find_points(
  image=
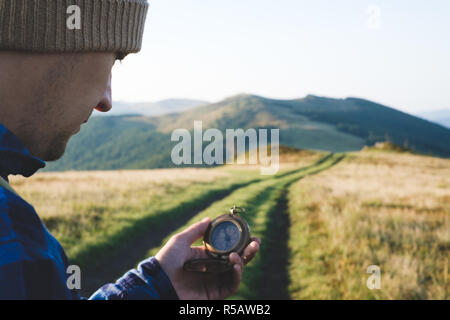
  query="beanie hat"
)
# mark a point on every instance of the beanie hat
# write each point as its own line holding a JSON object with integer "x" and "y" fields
{"x": 72, "y": 25}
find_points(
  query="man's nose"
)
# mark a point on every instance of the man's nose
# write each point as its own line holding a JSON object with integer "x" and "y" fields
{"x": 106, "y": 103}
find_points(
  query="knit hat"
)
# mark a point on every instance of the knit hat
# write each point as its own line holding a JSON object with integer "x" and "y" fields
{"x": 72, "y": 25}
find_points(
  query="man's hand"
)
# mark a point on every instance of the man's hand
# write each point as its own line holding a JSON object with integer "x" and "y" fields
{"x": 193, "y": 285}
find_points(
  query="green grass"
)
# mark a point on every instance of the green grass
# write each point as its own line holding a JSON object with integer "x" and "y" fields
{"x": 96, "y": 232}
{"x": 264, "y": 224}
{"x": 260, "y": 200}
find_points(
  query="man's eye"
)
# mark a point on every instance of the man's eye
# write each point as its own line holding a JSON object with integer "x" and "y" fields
{"x": 120, "y": 56}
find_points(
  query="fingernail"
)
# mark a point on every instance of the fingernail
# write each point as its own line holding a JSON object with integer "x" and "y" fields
{"x": 254, "y": 244}
{"x": 205, "y": 219}
{"x": 237, "y": 267}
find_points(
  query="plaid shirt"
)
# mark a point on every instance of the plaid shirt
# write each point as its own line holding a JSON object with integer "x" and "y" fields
{"x": 33, "y": 264}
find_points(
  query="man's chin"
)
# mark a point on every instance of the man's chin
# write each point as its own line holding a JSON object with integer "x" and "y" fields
{"x": 53, "y": 156}
{"x": 56, "y": 151}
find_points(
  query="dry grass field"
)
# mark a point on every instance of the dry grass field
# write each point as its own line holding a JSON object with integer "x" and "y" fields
{"x": 374, "y": 208}
{"x": 86, "y": 209}
{"x": 322, "y": 219}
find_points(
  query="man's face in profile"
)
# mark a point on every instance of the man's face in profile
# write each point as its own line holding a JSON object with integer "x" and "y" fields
{"x": 54, "y": 94}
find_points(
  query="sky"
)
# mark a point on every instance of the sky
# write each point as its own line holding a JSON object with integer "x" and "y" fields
{"x": 395, "y": 52}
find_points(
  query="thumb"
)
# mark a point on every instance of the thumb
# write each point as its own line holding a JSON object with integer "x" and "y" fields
{"x": 194, "y": 232}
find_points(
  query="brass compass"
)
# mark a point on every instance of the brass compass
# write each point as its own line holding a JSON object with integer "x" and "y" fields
{"x": 226, "y": 234}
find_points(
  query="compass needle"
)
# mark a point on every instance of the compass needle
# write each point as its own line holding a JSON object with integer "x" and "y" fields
{"x": 226, "y": 234}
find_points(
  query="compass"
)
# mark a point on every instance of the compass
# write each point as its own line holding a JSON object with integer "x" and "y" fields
{"x": 226, "y": 234}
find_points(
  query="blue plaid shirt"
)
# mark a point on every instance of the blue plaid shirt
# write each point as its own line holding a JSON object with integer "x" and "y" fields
{"x": 33, "y": 264}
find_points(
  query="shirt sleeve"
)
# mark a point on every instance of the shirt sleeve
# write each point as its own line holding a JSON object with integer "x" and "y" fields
{"x": 27, "y": 278}
{"x": 12, "y": 281}
{"x": 147, "y": 282}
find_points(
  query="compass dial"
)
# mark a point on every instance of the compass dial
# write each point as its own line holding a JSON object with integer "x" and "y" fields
{"x": 225, "y": 236}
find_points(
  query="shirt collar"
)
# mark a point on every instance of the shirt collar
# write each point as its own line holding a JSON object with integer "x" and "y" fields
{"x": 14, "y": 157}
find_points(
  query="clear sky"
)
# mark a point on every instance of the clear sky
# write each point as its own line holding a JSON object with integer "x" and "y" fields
{"x": 396, "y": 52}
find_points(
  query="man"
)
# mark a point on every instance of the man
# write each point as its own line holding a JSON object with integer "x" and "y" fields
{"x": 52, "y": 76}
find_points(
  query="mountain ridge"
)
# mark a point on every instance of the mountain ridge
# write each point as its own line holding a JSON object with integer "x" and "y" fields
{"x": 312, "y": 122}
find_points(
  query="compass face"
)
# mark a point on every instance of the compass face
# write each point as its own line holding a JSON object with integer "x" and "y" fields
{"x": 225, "y": 236}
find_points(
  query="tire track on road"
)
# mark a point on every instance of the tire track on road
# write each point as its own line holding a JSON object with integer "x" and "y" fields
{"x": 274, "y": 282}
{"x": 109, "y": 269}
{"x": 114, "y": 266}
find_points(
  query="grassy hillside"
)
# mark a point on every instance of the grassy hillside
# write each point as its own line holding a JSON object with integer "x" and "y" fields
{"x": 336, "y": 125}
{"x": 374, "y": 122}
{"x": 246, "y": 111}
{"x": 319, "y": 123}
{"x": 116, "y": 142}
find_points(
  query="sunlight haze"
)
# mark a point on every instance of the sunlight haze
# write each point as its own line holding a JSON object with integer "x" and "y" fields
{"x": 392, "y": 52}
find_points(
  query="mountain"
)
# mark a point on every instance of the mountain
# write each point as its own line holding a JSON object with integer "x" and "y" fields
{"x": 439, "y": 116}
{"x": 320, "y": 123}
{"x": 152, "y": 108}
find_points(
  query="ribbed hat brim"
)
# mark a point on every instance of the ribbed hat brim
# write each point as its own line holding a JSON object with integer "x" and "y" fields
{"x": 41, "y": 25}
